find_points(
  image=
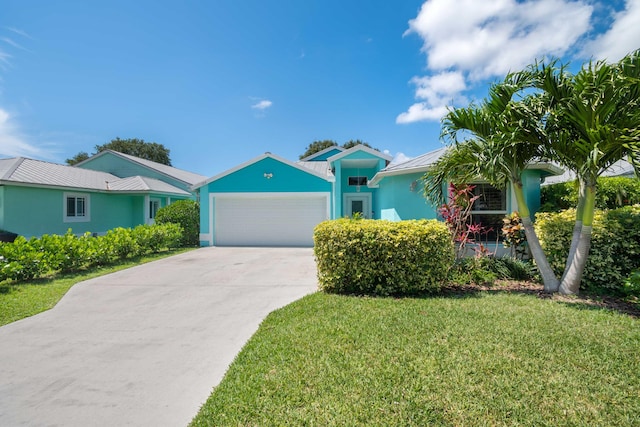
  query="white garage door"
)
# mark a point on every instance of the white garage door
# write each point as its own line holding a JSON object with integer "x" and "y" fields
{"x": 268, "y": 220}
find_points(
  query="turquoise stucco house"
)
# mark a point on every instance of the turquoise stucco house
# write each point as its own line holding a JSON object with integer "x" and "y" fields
{"x": 271, "y": 201}
{"x": 106, "y": 191}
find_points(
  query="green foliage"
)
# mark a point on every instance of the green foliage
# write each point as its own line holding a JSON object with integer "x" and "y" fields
{"x": 631, "y": 286}
{"x": 611, "y": 193}
{"x": 30, "y": 259}
{"x": 485, "y": 270}
{"x": 21, "y": 260}
{"x": 376, "y": 257}
{"x": 186, "y": 213}
{"x": 615, "y": 245}
{"x": 133, "y": 146}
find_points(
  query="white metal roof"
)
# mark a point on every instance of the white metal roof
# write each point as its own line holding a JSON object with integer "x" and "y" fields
{"x": 179, "y": 174}
{"x": 20, "y": 170}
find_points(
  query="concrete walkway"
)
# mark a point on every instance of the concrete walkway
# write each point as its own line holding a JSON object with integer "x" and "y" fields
{"x": 144, "y": 346}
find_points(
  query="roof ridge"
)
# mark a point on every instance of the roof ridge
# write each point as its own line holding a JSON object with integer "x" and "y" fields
{"x": 18, "y": 161}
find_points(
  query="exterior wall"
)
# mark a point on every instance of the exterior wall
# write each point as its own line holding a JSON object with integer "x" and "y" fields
{"x": 251, "y": 179}
{"x": 2, "y": 207}
{"x": 38, "y": 211}
{"x": 346, "y": 188}
{"x": 124, "y": 168}
{"x": 401, "y": 197}
{"x": 531, "y": 183}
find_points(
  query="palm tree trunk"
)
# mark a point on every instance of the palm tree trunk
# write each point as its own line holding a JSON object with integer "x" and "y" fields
{"x": 577, "y": 228}
{"x": 572, "y": 277}
{"x": 549, "y": 279}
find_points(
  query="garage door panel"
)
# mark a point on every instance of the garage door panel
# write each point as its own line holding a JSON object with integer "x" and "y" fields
{"x": 268, "y": 221}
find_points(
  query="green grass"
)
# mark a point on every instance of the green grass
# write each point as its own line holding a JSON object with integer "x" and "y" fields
{"x": 482, "y": 360}
{"x": 23, "y": 299}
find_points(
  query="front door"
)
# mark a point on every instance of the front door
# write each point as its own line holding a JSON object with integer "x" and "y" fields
{"x": 357, "y": 204}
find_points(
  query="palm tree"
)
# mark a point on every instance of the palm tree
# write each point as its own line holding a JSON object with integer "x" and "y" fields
{"x": 496, "y": 141}
{"x": 592, "y": 120}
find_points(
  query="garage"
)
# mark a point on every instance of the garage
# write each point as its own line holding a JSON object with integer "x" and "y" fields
{"x": 262, "y": 219}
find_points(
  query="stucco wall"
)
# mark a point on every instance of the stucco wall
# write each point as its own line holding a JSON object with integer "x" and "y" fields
{"x": 401, "y": 197}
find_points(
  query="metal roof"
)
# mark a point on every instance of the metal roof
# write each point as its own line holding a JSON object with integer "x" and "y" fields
{"x": 619, "y": 168}
{"x": 321, "y": 167}
{"x": 179, "y": 174}
{"x": 20, "y": 170}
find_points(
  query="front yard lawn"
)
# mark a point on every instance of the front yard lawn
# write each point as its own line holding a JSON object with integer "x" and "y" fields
{"x": 472, "y": 359}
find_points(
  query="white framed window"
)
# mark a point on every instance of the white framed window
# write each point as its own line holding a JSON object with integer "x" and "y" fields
{"x": 76, "y": 207}
{"x": 489, "y": 209}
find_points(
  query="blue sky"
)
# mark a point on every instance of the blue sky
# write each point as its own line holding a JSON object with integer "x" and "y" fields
{"x": 220, "y": 82}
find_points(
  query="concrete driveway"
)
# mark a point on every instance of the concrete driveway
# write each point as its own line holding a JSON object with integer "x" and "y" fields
{"x": 144, "y": 346}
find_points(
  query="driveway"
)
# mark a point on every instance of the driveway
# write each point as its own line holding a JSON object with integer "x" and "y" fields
{"x": 144, "y": 346}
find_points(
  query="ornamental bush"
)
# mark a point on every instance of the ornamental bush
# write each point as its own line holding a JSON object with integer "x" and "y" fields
{"x": 615, "y": 245}
{"x": 374, "y": 257}
{"x": 30, "y": 259}
{"x": 186, "y": 213}
{"x": 611, "y": 193}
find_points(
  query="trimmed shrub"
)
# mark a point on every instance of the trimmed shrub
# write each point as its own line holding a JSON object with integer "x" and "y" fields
{"x": 186, "y": 213}
{"x": 611, "y": 193}
{"x": 29, "y": 259}
{"x": 615, "y": 245}
{"x": 373, "y": 257}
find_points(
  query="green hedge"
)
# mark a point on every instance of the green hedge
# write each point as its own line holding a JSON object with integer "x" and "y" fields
{"x": 186, "y": 213}
{"x": 373, "y": 257}
{"x": 29, "y": 259}
{"x": 611, "y": 193}
{"x": 615, "y": 245}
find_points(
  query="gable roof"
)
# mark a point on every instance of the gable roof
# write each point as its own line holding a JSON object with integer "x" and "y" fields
{"x": 357, "y": 148}
{"x": 321, "y": 152}
{"x": 179, "y": 174}
{"x": 318, "y": 172}
{"x": 24, "y": 171}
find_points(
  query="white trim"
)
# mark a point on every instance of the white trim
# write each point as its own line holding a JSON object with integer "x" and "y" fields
{"x": 326, "y": 150}
{"x": 357, "y": 148}
{"x": 210, "y": 236}
{"x": 87, "y": 207}
{"x": 367, "y": 196}
{"x": 256, "y": 160}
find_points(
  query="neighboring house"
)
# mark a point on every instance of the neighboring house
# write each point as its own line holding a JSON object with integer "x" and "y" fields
{"x": 272, "y": 201}
{"x": 620, "y": 168}
{"x": 38, "y": 197}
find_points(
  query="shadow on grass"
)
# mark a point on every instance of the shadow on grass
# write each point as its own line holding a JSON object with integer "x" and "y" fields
{"x": 583, "y": 301}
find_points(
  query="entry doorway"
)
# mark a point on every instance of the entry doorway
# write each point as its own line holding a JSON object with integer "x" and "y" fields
{"x": 357, "y": 203}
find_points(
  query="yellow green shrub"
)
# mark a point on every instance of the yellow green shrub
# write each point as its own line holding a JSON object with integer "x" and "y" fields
{"x": 373, "y": 257}
{"x": 615, "y": 245}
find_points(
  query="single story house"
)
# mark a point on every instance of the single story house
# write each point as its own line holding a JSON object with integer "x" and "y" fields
{"x": 271, "y": 201}
{"x": 106, "y": 191}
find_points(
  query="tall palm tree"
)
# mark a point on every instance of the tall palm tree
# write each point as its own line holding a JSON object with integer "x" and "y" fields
{"x": 592, "y": 121}
{"x": 495, "y": 141}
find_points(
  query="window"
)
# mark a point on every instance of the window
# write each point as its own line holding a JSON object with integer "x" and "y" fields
{"x": 357, "y": 180}
{"x": 154, "y": 205}
{"x": 76, "y": 207}
{"x": 489, "y": 209}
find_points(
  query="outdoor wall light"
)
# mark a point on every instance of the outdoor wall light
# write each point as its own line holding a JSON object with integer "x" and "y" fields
{"x": 268, "y": 175}
{"x": 412, "y": 186}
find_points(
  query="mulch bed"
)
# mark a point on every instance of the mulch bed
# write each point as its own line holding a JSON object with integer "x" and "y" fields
{"x": 532, "y": 288}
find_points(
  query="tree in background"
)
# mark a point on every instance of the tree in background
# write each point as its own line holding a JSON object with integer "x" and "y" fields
{"x": 133, "y": 146}
{"x": 317, "y": 146}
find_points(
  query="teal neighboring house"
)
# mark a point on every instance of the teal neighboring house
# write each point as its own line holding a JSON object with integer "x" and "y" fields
{"x": 271, "y": 201}
{"x": 106, "y": 191}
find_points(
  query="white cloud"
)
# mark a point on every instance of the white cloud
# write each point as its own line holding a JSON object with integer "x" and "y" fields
{"x": 262, "y": 105}
{"x": 469, "y": 41}
{"x": 399, "y": 158}
{"x": 13, "y": 143}
{"x": 621, "y": 38}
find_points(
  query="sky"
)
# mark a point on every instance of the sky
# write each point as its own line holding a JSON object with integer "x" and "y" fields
{"x": 220, "y": 82}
